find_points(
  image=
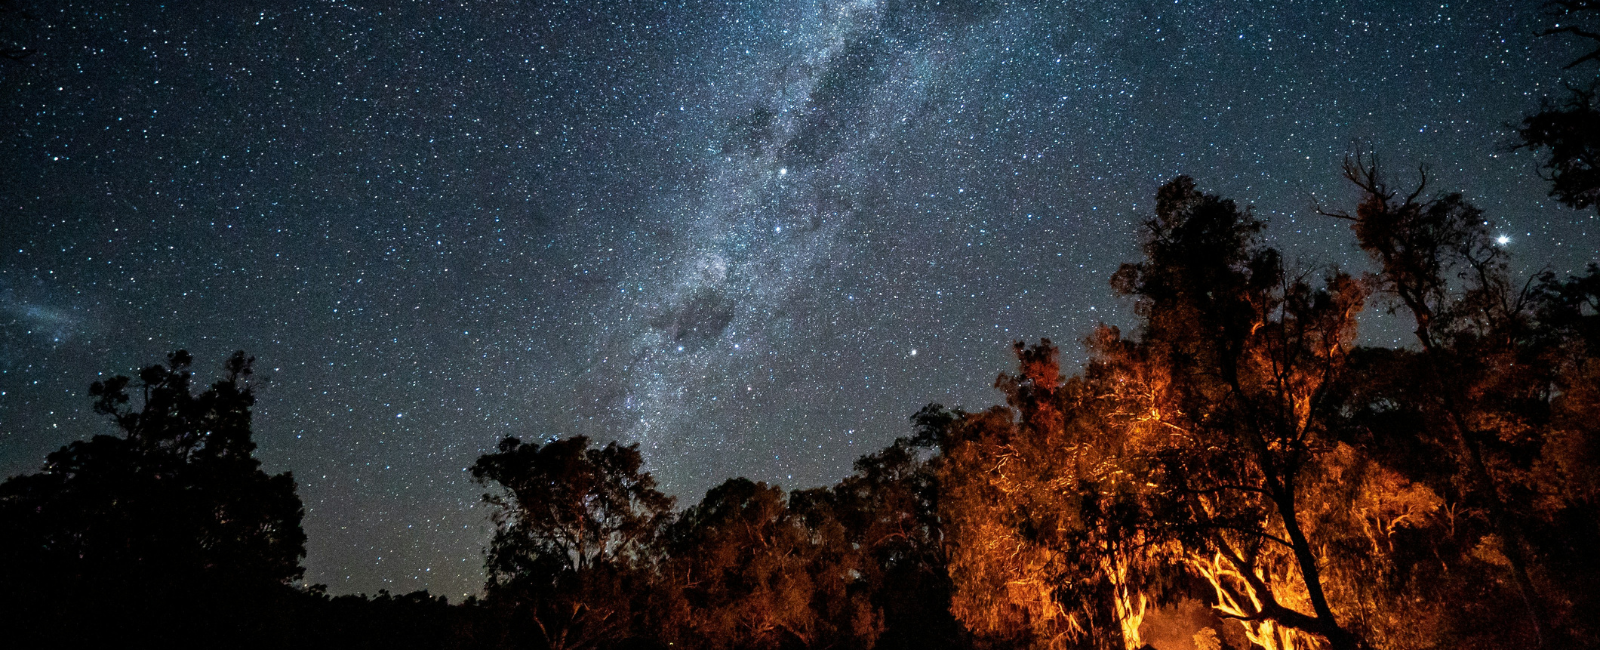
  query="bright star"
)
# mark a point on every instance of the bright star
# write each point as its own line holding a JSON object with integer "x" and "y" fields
{"x": 1502, "y": 240}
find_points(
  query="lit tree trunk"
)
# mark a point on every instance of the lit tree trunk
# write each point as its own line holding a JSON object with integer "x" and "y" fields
{"x": 1310, "y": 574}
{"x": 1238, "y": 600}
{"x": 1128, "y": 605}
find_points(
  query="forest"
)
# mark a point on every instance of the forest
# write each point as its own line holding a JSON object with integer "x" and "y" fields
{"x": 1237, "y": 471}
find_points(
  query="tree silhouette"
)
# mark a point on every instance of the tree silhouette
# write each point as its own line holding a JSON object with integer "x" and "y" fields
{"x": 889, "y": 510}
{"x": 574, "y": 548}
{"x": 1576, "y": 18}
{"x": 169, "y": 532}
{"x": 1570, "y": 129}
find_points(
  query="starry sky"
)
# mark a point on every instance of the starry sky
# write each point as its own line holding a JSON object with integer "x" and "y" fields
{"x": 752, "y": 237}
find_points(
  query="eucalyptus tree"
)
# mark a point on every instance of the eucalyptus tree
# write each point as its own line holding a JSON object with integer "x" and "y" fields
{"x": 576, "y": 538}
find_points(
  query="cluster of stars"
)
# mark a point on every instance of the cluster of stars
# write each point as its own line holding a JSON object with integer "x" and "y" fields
{"x": 751, "y": 238}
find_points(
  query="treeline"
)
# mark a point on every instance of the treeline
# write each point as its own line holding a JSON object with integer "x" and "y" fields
{"x": 1237, "y": 473}
{"x": 171, "y": 535}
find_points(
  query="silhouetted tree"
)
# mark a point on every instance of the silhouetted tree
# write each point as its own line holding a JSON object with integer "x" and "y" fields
{"x": 168, "y": 533}
{"x": 575, "y": 544}
{"x": 841, "y": 570}
{"x": 1570, "y": 129}
{"x": 385, "y": 622}
{"x": 889, "y": 509}
{"x": 1576, "y": 18}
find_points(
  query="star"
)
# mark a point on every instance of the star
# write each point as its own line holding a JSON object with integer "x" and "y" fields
{"x": 555, "y": 234}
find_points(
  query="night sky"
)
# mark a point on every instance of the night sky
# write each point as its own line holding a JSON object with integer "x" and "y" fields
{"x": 752, "y": 238}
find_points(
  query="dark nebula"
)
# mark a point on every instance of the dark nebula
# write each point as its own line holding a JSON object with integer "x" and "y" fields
{"x": 751, "y": 236}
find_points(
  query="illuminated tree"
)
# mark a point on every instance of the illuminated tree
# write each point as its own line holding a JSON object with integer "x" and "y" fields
{"x": 1242, "y": 450}
{"x": 1045, "y": 510}
{"x": 1248, "y": 352}
{"x": 762, "y": 570}
{"x": 1004, "y": 581}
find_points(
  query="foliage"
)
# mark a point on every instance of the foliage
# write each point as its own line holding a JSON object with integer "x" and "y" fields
{"x": 889, "y": 509}
{"x": 1243, "y": 451}
{"x": 1570, "y": 129}
{"x": 573, "y": 543}
{"x": 762, "y": 570}
{"x": 172, "y": 518}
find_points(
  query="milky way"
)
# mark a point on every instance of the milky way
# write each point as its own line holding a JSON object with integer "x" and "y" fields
{"x": 751, "y": 237}
{"x": 704, "y": 335}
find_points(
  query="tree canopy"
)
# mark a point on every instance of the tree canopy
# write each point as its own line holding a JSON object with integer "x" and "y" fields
{"x": 170, "y": 518}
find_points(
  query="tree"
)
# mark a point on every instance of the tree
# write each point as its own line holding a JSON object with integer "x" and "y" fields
{"x": 1247, "y": 352}
{"x": 575, "y": 544}
{"x": 1242, "y": 450}
{"x": 1437, "y": 259}
{"x": 889, "y": 510}
{"x": 172, "y": 521}
{"x": 765, "y": 570}
{"x": 1570, "y": 129}
{"x": 1567, "y": 470}
{"x": 1194, "y": 451}
{"x": 1578, "y": 16}
{"x": 1041, "y": 513}
{"x": 1503, "y": 371}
